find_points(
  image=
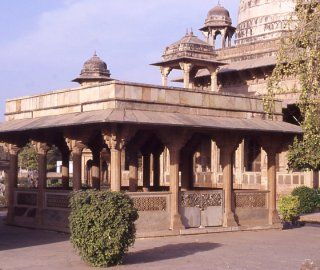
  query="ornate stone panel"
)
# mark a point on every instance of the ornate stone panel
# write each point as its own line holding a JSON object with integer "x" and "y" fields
{"x": 57, "y": 200}
{"x": 158, "y": 203}
{"x": 201, "y": 200}
{"x": 251, "y": 200}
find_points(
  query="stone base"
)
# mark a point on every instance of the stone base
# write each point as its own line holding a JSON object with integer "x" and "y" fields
{"x": 229, "y": 220}
{"x": 274, "y": 218}
{"x": 176, "y": 223}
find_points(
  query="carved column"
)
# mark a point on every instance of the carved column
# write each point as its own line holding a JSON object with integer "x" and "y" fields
{"x": 175, "y": 140}
{"x": 214, "y": 78}
{"x": 146, "y": 172}
{"x": 96, "y": 169}
{"x": 227, "y": 144}
{"x": 133, "y": 171}
{"x": 12, "y": 181}
{"x": 42, "y": 150}
{"x": 76, "y": 147}
{"x": 116, "y": 137}
{"x": 165, "y": 71}
{"x": 186, "y": 68}
{"x": 272, "y": 148}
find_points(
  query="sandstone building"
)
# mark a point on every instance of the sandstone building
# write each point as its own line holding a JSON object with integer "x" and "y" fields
{"x": 201, "y": 155}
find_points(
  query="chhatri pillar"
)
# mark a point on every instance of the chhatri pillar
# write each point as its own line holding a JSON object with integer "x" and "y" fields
{"x": 186, "y": 68}
{"x": 12, "y": 181}
{"x": 76, "y": 147}
{"x": 165, "y": 71}
{"x": 228, "y": 144}
{"x": 214, "y": 78}
{"x": 96, "y": 169}
{"x": 41, "y": 150}
{"x": 133, "y": 171}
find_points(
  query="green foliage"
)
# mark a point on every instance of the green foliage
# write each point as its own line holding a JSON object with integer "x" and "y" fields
{"x": 3, "y": 201}
{"x": 289, "y": 208}
{"x": 28, "y": 158}
{"x": 102, "y": 226}
{"x": 308, "y": 199}
{"x": 298, "y": 59}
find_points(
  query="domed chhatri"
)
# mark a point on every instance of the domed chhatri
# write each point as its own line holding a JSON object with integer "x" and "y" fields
{"x": 218, "y": 22}
{"x": 94, "y": 71}
{"x": 189, "y": 46}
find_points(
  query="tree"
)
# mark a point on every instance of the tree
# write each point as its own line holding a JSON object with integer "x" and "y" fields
{"x": 299, "y": 58}
{"x": 28, "y": 158}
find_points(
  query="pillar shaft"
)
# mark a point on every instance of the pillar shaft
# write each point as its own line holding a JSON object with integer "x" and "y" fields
{"x": 76, "y": 158}
{"x": 12, "y": 184}
{"x": 174, "y": 188}
{"x": 186, "y": 171}
{"x": 227, "y": 170}
{"x": 186, "y": 68}
{"x": 272, "y": 184}
{"x": 156, "y": 170}
{"x": 146, "y": 172}
{"x": 115, "y": 169}
{"x": 133, "y": 172}
{"x": 96, "y": 170}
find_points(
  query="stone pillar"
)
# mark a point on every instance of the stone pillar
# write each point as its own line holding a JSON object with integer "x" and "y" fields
{"x": 133, "y": 172}
{"x": 116, "y": 137}
{"x": 65, "y": 170}
{"x": 146, "y": 172}
{"x": 156, "y": 170}
{"x": 12, "y": 181}
{"x": 214, "y": 78}
{"x": 165, "y": 71}
{"x": 175, "y": 140}
{"x": 239, "y": 166}
{"x": 42, "y": 150}
{"x": 186, "y": 68}
{"x": 186, "y": 171}
{"x": 76, "y": 147}
{"x": 227, "y": 144}
{"x": 271, "y": 147}
{"x": 176, "y": 222}
{"x": 96, "y": 169}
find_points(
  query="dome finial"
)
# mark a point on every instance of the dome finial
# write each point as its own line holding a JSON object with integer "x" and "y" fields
{"x": 191, "y": 32}
{"x": 95, "y": 53}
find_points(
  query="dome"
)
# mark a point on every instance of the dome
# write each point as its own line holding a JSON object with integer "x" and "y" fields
{"x": 217, "y": 17}
{"x": 94, "y": 70}
{"x": 219, "y": 11}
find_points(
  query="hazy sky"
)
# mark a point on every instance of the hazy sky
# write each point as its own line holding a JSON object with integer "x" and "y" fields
{"x": 44, "y": 43}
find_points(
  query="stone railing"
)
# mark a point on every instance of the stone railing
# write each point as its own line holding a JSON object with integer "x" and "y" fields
{"x": 151, "y": 201}
{"x": 57, "y": 199}
{"x": 25, "y": 197}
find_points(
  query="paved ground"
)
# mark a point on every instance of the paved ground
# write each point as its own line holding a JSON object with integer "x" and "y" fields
{"x": 33, "y": 250}
{"x": 312, "y": 218}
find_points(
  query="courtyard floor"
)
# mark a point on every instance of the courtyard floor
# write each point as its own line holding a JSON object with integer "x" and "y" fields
{"x": 33, "y": 249}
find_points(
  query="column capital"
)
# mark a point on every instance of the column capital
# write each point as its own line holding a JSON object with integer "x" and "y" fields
{"x": 11, "y": 149}
{"x": 227, "y": 141}
{"x": 186, "y": 67}
{"x": 174, "y": 140}
{"x": 273, "y": 144}
{"x": 40, "y": 147}
{"x": 117, "y": 137}
{"x": 75, "y": 146}
{"x": 165, "y": 71}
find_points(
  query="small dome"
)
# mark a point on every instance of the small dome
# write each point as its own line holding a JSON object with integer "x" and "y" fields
{"x": 94, "y": 70}
{"x": 219, "y": 11}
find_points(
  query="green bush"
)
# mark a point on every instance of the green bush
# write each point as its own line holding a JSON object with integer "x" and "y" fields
{"x": 289, "y": 208}
{"x": 308, "y": 199}
{"x": 102, "y": 226}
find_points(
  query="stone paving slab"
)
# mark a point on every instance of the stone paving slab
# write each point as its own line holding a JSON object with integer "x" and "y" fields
{"x": 286, "y": 250}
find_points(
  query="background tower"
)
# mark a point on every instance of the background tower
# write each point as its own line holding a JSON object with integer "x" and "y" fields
{"x": 263, "y": 19}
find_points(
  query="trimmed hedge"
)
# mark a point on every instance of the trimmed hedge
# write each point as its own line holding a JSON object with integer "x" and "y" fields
{"x": 308, "y": 199}
{"x": 289, "y": 208}
{"x": 102, "y": 226}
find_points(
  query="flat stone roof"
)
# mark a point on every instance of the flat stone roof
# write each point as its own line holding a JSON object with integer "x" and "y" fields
{"x": 148, "y": 118}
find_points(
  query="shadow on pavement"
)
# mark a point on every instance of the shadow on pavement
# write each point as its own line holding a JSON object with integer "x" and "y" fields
{"x": 14, "y": 237}
{"x": 168, "y": 252}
